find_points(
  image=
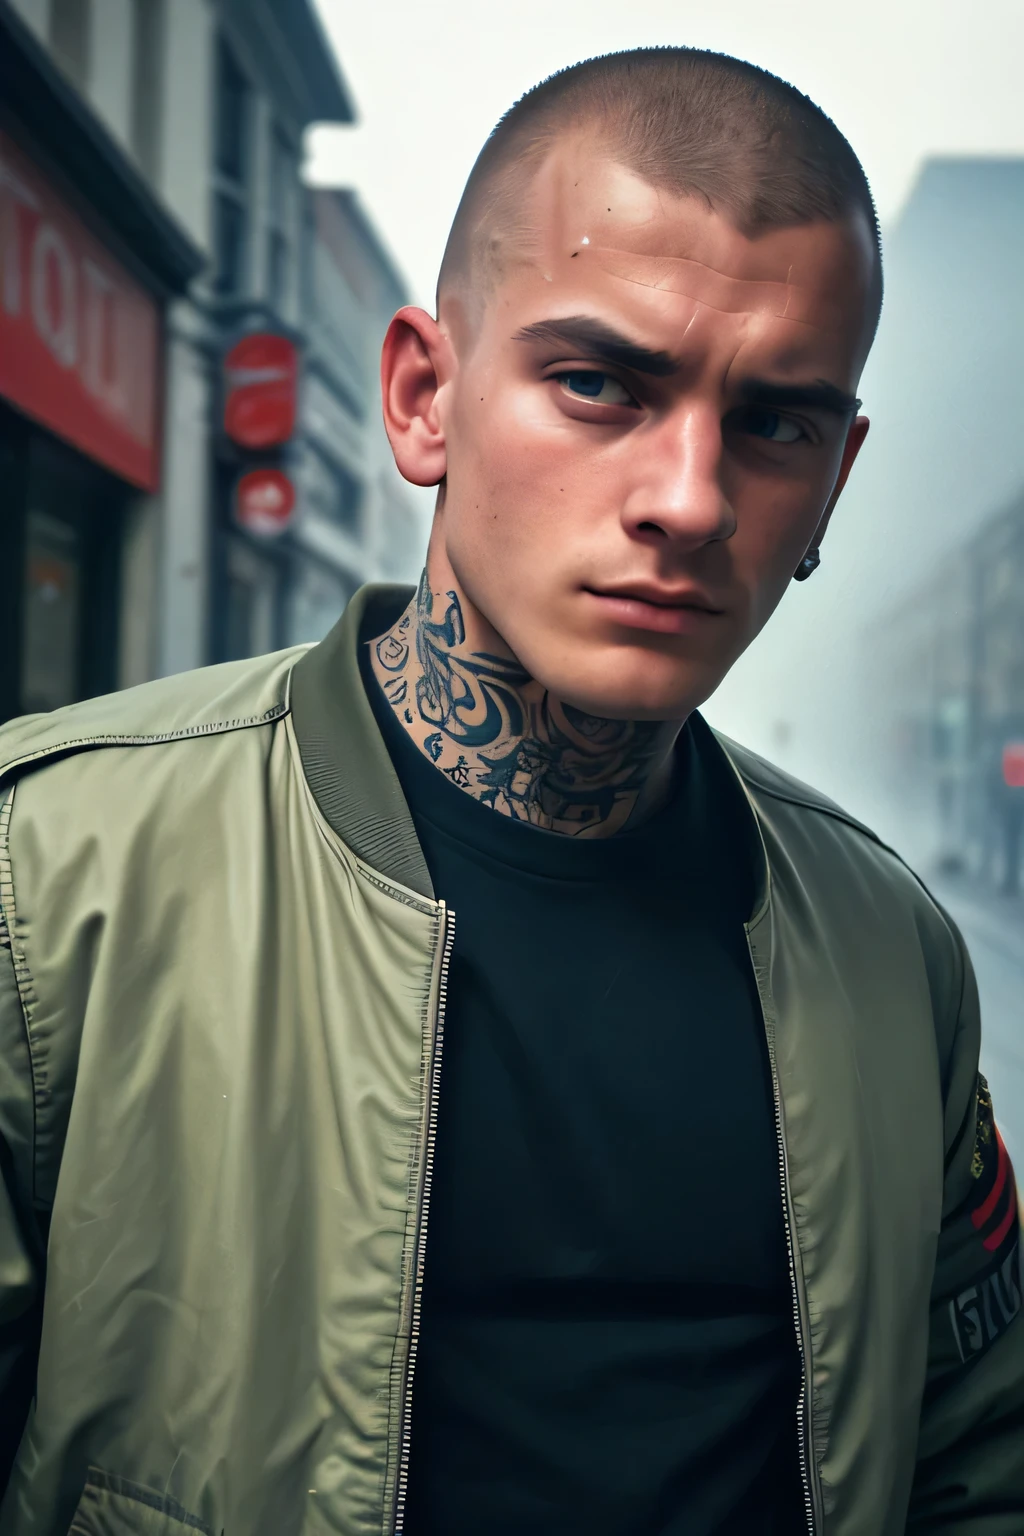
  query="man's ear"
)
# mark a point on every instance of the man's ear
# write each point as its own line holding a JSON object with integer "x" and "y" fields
{"x": 854, "y": 442}
{"x": 415, "y": 362}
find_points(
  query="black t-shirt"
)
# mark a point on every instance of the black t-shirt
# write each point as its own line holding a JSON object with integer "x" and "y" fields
{"x": 607, "y": 1343}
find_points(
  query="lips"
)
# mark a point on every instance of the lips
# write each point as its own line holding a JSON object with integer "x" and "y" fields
{"x": 662, "y": 610}
{"x": 658, "y": 597}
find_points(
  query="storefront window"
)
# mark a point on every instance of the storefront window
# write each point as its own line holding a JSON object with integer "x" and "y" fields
{"x": 71, "y": 522}
{"x": 52, "y": 615}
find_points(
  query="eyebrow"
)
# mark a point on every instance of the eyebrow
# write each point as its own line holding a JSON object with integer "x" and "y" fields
{"x": 818, "y": 396}
{"x": 600, "y": 341}
{"x": 595, "y": 338}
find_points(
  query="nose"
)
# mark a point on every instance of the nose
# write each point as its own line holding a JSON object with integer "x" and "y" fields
{"x": 677, "y": 496}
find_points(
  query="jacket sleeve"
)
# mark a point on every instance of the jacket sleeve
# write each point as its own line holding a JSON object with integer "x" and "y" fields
{"x": 970, "y": 1470}
{"x": 22, "y": 1230}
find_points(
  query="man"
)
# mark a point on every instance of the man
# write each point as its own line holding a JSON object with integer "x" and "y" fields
{"x": 659, "y": 1195}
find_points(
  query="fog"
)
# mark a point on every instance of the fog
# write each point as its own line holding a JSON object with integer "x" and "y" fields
{"x": 944, "y": 452}
{"x": 894, "y": 680}
{"x": 929, "y": 96}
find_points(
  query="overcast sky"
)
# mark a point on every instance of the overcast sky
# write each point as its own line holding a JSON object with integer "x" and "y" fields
{"x": 902, "y": 78}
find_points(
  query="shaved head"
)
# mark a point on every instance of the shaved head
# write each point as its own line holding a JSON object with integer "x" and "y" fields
{"x": 656, "y": 302}
{"x": 690, "y": 123}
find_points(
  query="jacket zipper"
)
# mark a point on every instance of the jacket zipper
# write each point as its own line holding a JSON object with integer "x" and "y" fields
{"x": 804, "y": 1417}
{"x": 433, "y": 1090}
{"x": 433, "y": 1093}
{"x": 803, "y": 1404}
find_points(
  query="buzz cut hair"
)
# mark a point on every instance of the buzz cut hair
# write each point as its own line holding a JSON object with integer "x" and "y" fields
{"x": 688, "y": 121}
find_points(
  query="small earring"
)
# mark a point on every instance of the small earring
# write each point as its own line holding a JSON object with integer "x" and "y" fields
{"x": 808, "y": 565}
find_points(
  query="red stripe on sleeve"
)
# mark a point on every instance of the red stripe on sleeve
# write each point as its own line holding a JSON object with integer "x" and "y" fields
{"x": 985, "y": 1210}
{"x": 995, "y": 1238}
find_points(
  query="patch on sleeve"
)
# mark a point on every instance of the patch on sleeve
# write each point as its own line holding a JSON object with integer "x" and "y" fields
{"x": 992, "y": 1203}
{"x": 983, "y": 1240}
{"x": 982, "y": 1311}
{"x": 986, "y": 1237}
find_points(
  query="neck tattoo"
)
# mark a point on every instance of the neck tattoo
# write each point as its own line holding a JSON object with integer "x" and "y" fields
{"x": 501, "y": 737}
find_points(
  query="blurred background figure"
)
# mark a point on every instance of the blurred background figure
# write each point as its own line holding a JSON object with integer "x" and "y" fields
{"x": 196, "y": 271}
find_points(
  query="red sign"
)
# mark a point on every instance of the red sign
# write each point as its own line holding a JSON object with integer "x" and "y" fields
{"x": 79, "y": 339}
{"x": 1013, "y": 764}
{"x": 261, "y": 374}
{"x": 264, "y": 501}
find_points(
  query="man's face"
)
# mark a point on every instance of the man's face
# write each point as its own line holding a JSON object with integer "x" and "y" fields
{"x": 644, "y": 433}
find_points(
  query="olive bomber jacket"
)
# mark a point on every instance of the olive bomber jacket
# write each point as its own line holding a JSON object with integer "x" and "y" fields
{"x": 222, "y": 979}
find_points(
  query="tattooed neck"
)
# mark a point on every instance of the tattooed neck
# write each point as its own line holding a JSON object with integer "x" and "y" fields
{"x": 501, "y": 737}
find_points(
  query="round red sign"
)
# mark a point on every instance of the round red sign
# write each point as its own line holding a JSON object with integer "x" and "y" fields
{"x": 261, "y": 380}
{"x": 264, "y": 501}
{"x": 1013, "y": 764}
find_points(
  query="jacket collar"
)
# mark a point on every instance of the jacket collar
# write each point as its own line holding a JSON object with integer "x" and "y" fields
{"x": 347, "y": 764}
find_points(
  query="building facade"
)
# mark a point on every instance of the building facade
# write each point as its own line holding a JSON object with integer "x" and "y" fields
{"x": 356, "y": 520}
{"x": 151, "y": 182}
{"x": 91, "y": 264}
{"x": 951, "y": 667}
{"x": 941, "y": 388}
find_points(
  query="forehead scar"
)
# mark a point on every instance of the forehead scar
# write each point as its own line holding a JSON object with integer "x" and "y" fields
{"x": 730, "y": 295}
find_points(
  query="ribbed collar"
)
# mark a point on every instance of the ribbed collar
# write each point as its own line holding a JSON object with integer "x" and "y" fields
{"x": 347, "y": 763}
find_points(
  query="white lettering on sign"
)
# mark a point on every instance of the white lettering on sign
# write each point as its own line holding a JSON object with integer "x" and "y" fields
{"x": 80, "y": 339}
{"x": 55, "y": 295}
{"x": 103, "y": 341}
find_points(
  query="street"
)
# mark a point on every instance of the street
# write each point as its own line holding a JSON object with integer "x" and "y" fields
{"x": 996, "y": 945}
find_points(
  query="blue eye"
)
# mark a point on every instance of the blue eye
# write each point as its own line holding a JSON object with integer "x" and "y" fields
{"x": 772, "y": 426}
{"x": 588, "y": 384}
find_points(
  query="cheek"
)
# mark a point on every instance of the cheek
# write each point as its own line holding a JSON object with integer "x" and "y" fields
{"x": 513, "y": 471}
{"x": 774, "y": 526}
{"x": 776, "y": 515}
